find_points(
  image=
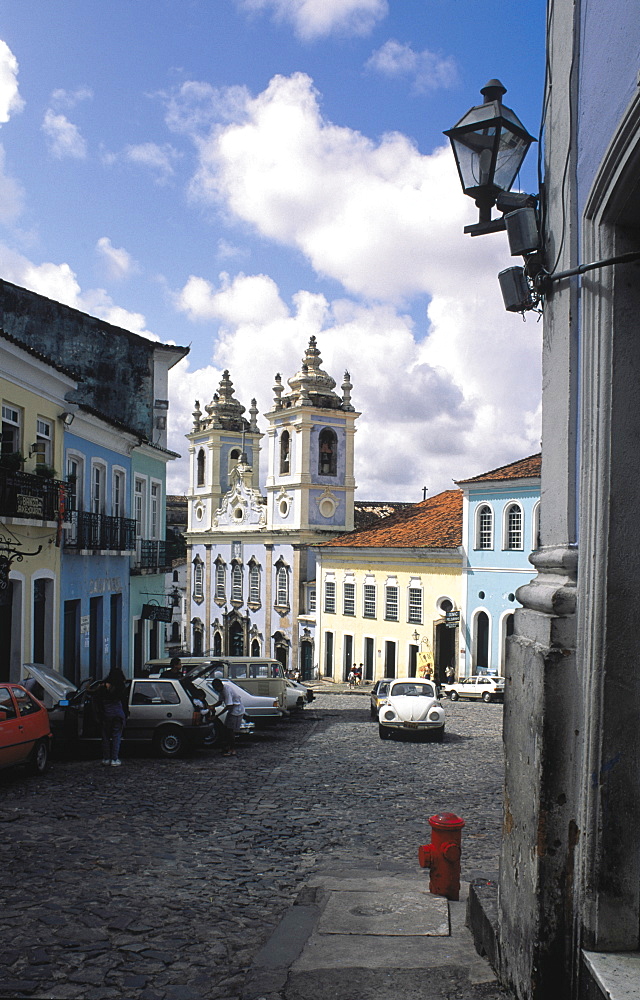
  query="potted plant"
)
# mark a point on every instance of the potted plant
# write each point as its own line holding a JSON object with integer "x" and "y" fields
{"x": 45, "y": 471}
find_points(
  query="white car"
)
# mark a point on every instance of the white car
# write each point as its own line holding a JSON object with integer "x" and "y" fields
{"x": 262, "y": 711}
{"x": 297, "y": 694}
{"x": 411, "y": 706}
{"x": 481, "y": 686}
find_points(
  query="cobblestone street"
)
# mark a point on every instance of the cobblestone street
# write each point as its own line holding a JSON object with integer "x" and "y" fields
{"x": 160, "y": 880}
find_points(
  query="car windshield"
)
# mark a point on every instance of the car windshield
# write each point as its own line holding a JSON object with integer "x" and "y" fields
{"x": 413, "y": 690}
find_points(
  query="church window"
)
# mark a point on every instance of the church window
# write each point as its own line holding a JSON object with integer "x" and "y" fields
{"x": 349, "y": 599}
{"x": 254, "y": 584}
{"x": 311, "y": 600}
{"x": 220, "y": 581}
{"x": 513, "y": 527}
{"x": 282, "y": 588}
{"x": 327, "y": 452}
{"x": 284, "y": 453}
{"x": 236, "y": 584}
{"x": 369, "y": 594}
{"x": 484, "y": 527}
{"x": 198, "y": 578}
{"x": 200, "y": 469}
{"x": 330, "y": 597}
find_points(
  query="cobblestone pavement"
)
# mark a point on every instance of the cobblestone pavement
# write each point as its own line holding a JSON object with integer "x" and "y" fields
{"x": 160, "y": 880}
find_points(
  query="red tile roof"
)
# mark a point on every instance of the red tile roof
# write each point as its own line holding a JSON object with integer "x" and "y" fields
{"x": 435, "y": 523}
{"x": 526, "y": 468}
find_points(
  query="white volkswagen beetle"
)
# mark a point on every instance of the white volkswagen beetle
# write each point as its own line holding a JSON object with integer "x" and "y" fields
{"x": 411, "y": 706}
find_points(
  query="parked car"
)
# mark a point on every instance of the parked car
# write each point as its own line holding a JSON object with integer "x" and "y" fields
{"x": 307, "y": 692}
{"x": 480, "y": 686}
{"x": 378, "y": 695}
{"x": 258, "y": 710}
{"x": 161, "y": 712}
{"x": 296, "y": 695}
{"x": 257, "y": 674}
{"x": 411, "y": 706}
{"x": 25, "y": 733}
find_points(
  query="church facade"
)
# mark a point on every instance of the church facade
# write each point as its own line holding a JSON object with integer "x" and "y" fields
{"x": 250, "y": 557}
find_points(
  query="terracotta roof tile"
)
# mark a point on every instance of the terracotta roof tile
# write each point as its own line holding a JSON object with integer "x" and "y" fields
{"x": 367, "y": 512}
{"x": 435, "y": 523}
{"x": 526, "y": 468}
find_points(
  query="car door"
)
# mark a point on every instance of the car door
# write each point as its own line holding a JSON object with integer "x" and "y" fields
{"x": 33, "y": 717}
{"x": 151, "y": 703}
{"x": 11, "y": 730}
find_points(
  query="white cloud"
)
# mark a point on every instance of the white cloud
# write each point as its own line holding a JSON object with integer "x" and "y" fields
{"x": 119, "y": 263}
{"x": 313, "y": 19}
{"x": 64, "y": 137}
{"x": 10, "y": 100}
{"x": 66, "y": 99}
{"x": 11, "y": 194}
{"x": 158, "y": 159}
{"x": 427, "y": 70}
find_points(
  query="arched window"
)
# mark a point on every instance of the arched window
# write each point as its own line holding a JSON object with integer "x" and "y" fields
{"x": 327, "y": 452}
{"x": 284, "y": 453}
{"x": 234, "y": 457}
{"x": 254, "y": 583}
{"x": 513, "y": 527}
{"x": 220, "y": 580}
{"x": 255, "y": 647}
{"x": 200, "y": 471}
{"x": 198, "y": 578}
{"x": 484, "y": 527}
{"x": 535, "y": 540}
{"x": 217, "y": 644}
{"x": 236, "y": 583}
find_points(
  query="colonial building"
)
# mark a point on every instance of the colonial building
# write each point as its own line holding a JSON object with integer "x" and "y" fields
{"x": 34, "y": 504}
{"x": 385, "y": 591}
{"x": 250, "y": 555}
{"x": 501, "y": 523}
{"x": 111, "y": 466}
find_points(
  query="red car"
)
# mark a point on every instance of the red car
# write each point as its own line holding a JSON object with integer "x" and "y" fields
{"x": 25, "y": 735}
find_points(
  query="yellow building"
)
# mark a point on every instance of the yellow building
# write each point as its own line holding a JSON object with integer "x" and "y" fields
{"x": 32, "y": 504}
{"x": 389, "y": 595}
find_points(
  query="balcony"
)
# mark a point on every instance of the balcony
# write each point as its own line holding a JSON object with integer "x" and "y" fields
{"x": 33, "y": 498}
{"x": 99, "y": 532}
{"x": 151, "y": 557}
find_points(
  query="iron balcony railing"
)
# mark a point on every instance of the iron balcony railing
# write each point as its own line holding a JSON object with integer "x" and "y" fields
{"x": 151, "y": 556}
{"x": 23, "y": 495}
{"x": 100, "y": 532}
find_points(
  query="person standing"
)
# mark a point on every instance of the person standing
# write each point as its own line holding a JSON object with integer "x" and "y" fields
{"x": 112, "y": 704}
{"x": 229, "y": 696}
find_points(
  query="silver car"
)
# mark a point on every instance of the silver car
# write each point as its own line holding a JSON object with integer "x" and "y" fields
{"x": 162, "y": 711}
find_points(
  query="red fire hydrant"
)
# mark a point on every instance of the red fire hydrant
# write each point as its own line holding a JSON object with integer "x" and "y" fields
{"x": 442, "y": 855}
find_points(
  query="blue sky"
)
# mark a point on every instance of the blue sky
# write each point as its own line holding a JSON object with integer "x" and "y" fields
{"x": 239, "y": 174}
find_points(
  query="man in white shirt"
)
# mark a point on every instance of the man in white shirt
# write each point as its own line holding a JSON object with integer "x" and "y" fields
{"x": 229, "y": 696}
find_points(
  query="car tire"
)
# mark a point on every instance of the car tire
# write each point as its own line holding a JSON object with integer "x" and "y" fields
{"x": 453, "y": 695}
{"x": 486, "y": 697}
{"x": 168, "y": 742}
{"x": 373, "y": 713}
{"x": 438, "y": 735}
{"x": 384, "y": 732}
{"x": 39, "y": 761}
{"x": 300, "y": 702}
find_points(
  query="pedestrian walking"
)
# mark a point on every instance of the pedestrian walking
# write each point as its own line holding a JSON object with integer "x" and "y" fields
{"x": 351, "y": 677}
{"x": 229, "y": 697}
{"x": 110, "y": 699}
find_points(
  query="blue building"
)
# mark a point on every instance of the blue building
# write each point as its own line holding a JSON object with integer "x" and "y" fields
{"x": 97, "y": 548}
{"x": 252, "y": 572}
{"x": 500, "y": 529}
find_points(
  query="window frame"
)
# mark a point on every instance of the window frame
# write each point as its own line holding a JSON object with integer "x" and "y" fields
{"x": 367, "y": 598}
{"x": 511, "y": 533}
{"x": 481, "y": 534}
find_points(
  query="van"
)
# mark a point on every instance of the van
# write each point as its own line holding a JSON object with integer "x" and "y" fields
{"x": 258, "y": 675}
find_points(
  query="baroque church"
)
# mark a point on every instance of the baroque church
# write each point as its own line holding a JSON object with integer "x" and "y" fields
{"x": 252, "y": 567}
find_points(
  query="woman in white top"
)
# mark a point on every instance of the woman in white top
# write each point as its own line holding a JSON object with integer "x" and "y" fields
{"x": 229, "y": 696}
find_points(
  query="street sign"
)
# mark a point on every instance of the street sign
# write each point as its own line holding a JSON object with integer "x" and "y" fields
{"x": 452, "y": 619}
{"x": 155, "y": 613}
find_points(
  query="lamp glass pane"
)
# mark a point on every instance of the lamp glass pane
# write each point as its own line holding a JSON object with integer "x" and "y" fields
{"x": 474, "y": 153}
{"x": 511, "y": 152}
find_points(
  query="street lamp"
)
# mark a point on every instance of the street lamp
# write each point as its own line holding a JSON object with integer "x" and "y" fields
{"x": 489, "y": 144}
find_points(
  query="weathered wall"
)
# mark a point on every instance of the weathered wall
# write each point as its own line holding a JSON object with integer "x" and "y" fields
{"x": 116, "y": 366}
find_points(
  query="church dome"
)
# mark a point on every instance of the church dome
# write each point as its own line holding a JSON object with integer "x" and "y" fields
{"x": 311, "y": 385}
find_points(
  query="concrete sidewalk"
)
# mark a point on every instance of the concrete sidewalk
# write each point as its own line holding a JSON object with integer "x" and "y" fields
{"x": 360, "y": 933}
